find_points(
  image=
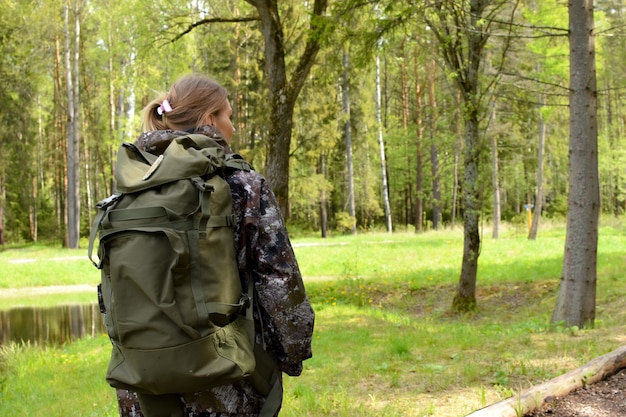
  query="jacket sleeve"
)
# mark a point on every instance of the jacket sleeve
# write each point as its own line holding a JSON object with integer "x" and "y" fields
{"x": 286, "y": 316}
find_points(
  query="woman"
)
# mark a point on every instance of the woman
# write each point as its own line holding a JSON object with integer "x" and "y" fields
{"x": 198, "y": 104}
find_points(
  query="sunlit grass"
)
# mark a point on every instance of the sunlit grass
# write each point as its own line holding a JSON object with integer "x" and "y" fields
{"x": 41, "y": 265}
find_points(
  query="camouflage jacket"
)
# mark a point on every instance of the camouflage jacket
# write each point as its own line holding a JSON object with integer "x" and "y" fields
{"x": 264, "y": 252}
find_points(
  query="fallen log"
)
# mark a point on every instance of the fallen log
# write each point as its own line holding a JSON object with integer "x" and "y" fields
{"x": 532, "y": 398}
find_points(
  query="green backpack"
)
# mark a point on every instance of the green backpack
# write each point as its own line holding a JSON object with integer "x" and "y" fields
{"x": 170, "y": 293}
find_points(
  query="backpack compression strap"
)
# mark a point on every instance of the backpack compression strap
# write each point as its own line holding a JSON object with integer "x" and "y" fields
{"x": 194, "y": 236}
{"x": 103, "y": 207}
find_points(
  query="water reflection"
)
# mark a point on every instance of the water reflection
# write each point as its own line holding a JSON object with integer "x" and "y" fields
{"x": 53, "y": 325}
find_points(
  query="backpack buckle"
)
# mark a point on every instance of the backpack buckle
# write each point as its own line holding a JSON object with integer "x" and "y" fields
{"x": 201, "y": 185}
{"x": 109, "y": 201}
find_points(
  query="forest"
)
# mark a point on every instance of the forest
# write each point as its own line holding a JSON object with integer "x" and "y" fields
{"x": 352, "y": 109}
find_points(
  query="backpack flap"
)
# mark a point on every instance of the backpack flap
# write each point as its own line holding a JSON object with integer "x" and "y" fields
{"x": 185, "y": 157}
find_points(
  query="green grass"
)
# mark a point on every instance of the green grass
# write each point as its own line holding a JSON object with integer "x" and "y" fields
{"x": 64, "y": 381}
{"x": 385, "y": 342}
{"x": 41, "y": 265}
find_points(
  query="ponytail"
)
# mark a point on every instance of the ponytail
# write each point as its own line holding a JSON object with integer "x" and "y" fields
{"x": 188, "y": 104}
{"x": 151, "y": 119}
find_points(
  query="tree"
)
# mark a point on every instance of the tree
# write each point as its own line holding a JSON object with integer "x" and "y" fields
{"x": 284, "y": 86}
{"x": 462, "y": 34}
{"x": 348, "y": 136}
{"x": 546, "y": 94}
{"x": 610, "y": 31}
{"x": 495, "y": 177}
{"x": 419, "y": 138}
{"x": 284, "y": 90}
{"x": 576, "y": 302}
{"x": 127, "y": 55}
{"x": 434, "y": 151}
{"x": 532, "y": 234}
{"x": 72, "y": 69}
{"x": 381, "y": 147}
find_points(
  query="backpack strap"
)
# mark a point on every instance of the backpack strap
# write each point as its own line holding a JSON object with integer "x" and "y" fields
{"x": 194, "y": 235}
{"x": 103, "y": 207}
{"x": 267, "y": 376}
{"x": 236, "y": 161}
{"x": 205, "y": 203}
{"x": 267, "y": 379}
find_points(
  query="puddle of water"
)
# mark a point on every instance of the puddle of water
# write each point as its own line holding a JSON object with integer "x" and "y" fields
{"x": 50, "y": 326}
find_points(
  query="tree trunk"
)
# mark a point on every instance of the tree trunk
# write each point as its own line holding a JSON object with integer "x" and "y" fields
{"x": 32, "y": 210}
{"x": 112, "y": 118}
{"x": 283, "y": 92}
{"x": 59, "y": 138}
{"x": 468, "y": 83}
{"x": 419, "y": 136}
{"x": 495, "y": 180}
{"x": 72, "y": 42}
{"x": 465, "y": 297}
{"x": 457, "y": 157}
{"x": 610, "y": 199}
{"x": 88, "y": 179}
{"x": 381, "y": 146}
{"x": 434, "y": 156}
{"x": 3, "y": 200}
{"x": 534, "y": 227}
{"x": 323, "y": 209}
{"x": 576, "y": 302}
{"x": 406, "y": 111}
{"x": 348, "y": 133}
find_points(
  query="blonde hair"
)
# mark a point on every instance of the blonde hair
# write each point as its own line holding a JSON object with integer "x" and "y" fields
{"x": 193, "y": 98}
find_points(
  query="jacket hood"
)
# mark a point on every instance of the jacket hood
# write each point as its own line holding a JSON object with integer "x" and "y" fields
{"x": 156, "y": 141}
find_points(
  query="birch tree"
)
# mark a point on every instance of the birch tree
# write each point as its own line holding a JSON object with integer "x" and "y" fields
{"x": 381, "y": 147}
{"x": 72, "y": 62}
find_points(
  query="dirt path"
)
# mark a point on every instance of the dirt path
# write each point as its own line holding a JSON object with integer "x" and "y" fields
{"x": 602, "y": 399}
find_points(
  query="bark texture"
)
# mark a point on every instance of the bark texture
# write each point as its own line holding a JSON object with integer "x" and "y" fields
{"x": 576, "y": 303}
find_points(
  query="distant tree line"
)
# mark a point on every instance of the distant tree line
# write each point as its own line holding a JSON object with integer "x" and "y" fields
{"x": 363, "y": 115}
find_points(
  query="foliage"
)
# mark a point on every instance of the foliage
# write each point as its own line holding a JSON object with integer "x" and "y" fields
{"x": 131, "y": 50}
{"x": 345, "y": 222}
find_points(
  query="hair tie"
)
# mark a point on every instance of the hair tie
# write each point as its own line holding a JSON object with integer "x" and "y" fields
{"x": 164, "y": 107}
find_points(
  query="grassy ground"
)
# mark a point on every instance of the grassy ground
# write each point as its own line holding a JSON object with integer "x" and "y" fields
{"x": 385, "y": 342}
